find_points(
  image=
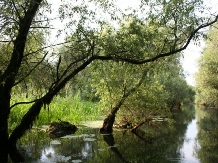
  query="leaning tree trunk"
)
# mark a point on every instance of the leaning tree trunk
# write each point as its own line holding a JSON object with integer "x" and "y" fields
{"x": 26, "y": 122}
{"x": 18, "y": 132}
{"x": 109, "y": 121}
{"x": 32, "y": 114}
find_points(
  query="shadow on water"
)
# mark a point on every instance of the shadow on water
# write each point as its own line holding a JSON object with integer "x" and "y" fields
{"x": 87, "y": 145}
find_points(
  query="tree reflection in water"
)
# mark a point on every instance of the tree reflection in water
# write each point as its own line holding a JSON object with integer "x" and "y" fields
{"x": 102, "y": 148}
{"x": 109, "y": 139}
{"x": 206, "y": 144}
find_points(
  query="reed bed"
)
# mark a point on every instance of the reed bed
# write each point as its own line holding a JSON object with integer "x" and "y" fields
{"x": 71, "y": 109}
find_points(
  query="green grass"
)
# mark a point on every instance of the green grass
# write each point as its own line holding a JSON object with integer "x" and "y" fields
{"x": 70, "y": 109}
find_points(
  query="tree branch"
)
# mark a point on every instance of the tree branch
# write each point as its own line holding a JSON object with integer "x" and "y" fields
{"x": 161, "y": 55}
{"x": 31, "y": 70}
{"x": 19, "y": 103}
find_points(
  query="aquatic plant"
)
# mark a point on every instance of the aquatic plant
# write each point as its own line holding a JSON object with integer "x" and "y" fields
{"x": 71, "y": 109}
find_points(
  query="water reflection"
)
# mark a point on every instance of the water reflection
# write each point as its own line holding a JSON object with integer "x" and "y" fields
{"x": 206, "y": 144}
{"x": 109, "y": 139}
{"x": 189, "y": 144}
{"x": 88, "y": 146}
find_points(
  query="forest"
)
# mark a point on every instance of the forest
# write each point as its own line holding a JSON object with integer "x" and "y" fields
{"x": 89, "y": 59}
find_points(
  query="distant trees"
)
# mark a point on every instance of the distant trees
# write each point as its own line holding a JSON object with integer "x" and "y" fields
{"x": 31, "y": 64}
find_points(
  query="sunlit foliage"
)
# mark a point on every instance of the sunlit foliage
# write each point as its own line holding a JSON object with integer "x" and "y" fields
{"x": 207, "y": 77}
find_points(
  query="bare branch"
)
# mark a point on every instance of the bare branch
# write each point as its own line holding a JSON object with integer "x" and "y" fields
{"x": 58, "y": 65}
{"x": 45, "y": 47}
{"x": 43, "y": 27}
{"x": 46, "y": 20}
{"x": 16, "y": 10}
{"x": 19, "y": 103}
{"x": 17, "y": 54}
{"x": 5, "y": 41}
{"x": 31, "y": 70}
{"x": 58, "y": 80}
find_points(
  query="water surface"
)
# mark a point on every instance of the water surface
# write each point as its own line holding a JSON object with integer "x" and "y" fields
{"x": 87, "y": 145}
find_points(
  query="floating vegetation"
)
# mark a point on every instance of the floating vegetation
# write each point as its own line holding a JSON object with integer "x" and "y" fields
{"x": 55, "y": 142}
{"x": 92, "y": 124}
{"x": 101, "y": 149}
{"x": 78, "y": 136}
{"x": 89, "y": 139}
{"x": 115, "y": 145}
{"x": 63, "y": 158}
{"x": 70, "y": 137}
{"x": 76, "y": 161}
{"x": 88, "y": 135}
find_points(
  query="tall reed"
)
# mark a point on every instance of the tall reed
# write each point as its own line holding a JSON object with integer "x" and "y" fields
{"x": 71, "y": 109}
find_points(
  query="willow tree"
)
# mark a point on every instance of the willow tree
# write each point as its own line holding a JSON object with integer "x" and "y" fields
{"x": 83, "y": 19}
{"x": 139, "y": 92}
{"x": 131, "y": 90}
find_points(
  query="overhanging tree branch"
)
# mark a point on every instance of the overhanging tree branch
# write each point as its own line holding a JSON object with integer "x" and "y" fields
{"x": 161, "y": 55}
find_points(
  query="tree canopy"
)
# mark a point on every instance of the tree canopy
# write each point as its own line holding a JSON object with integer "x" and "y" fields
{"x": 206, "y": 78}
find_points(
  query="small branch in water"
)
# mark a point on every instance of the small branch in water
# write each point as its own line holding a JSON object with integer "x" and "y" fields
{"x": 140, "y": 124}
{"x": 147, "y": 119}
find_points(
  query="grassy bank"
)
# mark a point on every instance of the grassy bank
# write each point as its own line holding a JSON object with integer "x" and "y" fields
{"x": 70, "y": 109}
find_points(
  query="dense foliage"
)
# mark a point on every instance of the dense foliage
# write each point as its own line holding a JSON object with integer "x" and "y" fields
{"x": 157, "y": 89}
{"x": 206, "y": 78}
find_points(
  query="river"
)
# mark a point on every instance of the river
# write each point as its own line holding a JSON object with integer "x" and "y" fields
{"x": 185, "y": 144}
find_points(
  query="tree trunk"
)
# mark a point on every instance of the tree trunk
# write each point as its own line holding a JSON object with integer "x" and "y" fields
{"x": 26, "y": 122}
{"x": 7, "y": 78}
{"x": 4, "y": 141}
{"x": 4, "y": 113}
{"x": 32, "y": 114}
{"x": 109, "y": 121}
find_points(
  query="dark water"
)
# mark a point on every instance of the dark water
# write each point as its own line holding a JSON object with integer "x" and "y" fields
{"x": 184, "y": 145}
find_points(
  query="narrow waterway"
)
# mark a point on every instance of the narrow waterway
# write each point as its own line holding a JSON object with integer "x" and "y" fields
{"x": 88, "y": 145}
{"x": 190, "y": 143}
{"x": 186, "y": 133}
